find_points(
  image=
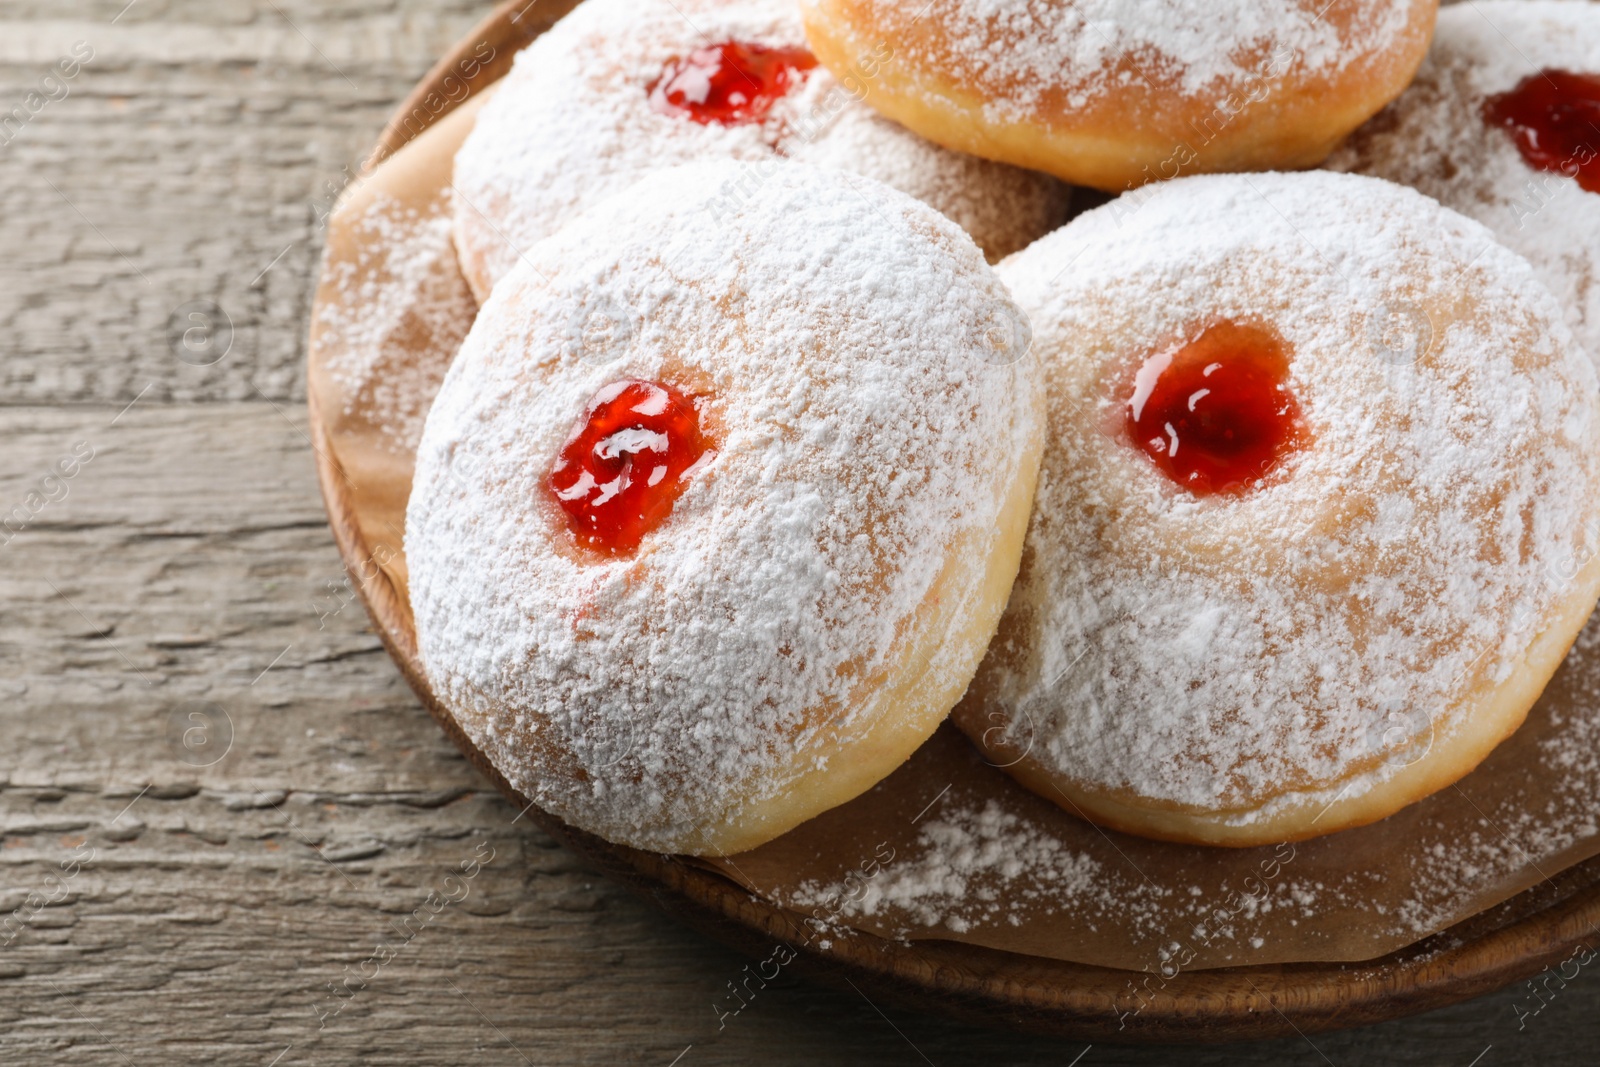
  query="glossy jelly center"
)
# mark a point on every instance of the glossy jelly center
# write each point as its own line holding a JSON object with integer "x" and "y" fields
{"x": 1554, "y": 118}
{"x": 1215, "y": 413}
{"x": 729, "y": 83}
{"x": 627, "y": 462}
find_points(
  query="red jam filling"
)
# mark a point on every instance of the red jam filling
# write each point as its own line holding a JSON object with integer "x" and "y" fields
{"x": 626, "y": 463}
{"x": 1215, "y": 413}
{"x": 1554, "y": 118}
{"x": 731, "y": 83}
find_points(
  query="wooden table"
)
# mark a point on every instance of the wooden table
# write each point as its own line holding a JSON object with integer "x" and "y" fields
{"x": 219, "y": 803}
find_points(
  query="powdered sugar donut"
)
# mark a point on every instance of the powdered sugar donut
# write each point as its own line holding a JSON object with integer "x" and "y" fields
{"x": 1115, "y": 93}
{"x": 1318, "y": 514}
{"x": 622, "y": 87}
{"x": 694, "y": 585}
{"x": 1503, "y": 77}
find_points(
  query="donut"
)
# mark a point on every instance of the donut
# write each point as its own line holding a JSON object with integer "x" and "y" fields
{"x": 1500, "y": 125}
{"x": 622, "y": 87}
{"x": 1116, "y": 93}
{"x": 1318, "y": 513}
{"x": 830, "y": 387}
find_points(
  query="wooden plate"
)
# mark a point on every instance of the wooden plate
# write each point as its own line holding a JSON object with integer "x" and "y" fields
{"x": 1539, "y": 928}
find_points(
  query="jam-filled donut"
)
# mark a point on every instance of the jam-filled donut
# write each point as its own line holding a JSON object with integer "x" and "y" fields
{"x": 1116, "y": 94}
{"x": 1503, "y": 124}
{"x": 717, "y": 509}
{"x": 1318, "y": 513}
{"x": 622, "y": 87}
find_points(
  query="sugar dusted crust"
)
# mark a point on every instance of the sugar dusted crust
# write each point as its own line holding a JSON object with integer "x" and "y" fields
{"x": 824, "y": 589}
{"x": 1116, "y": 93}
{"x": 1372, "y": 620}
{"x": 571, "y": 125}
{"x": 1485, "y": 716}
{"x": 1433, "y": 138}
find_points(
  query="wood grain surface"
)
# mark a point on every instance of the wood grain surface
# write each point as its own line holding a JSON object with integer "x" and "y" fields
{"x": 219, "y": 801}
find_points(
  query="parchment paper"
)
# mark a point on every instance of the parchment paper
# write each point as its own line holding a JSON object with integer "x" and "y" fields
{"x": 949, "y": 847}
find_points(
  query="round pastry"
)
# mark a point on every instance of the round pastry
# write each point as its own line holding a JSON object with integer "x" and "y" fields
{"x": 1116, "y": 93}
{"x": 1501, "y": 125}
{"x": 717, "y": 508}
{"x": 622, "y": 87}
{"x": 1318, "y": 514}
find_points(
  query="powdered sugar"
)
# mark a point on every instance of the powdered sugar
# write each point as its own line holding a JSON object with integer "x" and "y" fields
{"x": 1535, "y": 831}
{"x": 1227, "y": 654}
{"x": 979, "y": 864}
{"x": 571, "y": 124}
{"x": 399, "y": 311}
{"x": 1026, "y": 58}
{"x": 1434, "y": 138}
{"x": 837, "y": 333}
{"x": 999, "y": 868}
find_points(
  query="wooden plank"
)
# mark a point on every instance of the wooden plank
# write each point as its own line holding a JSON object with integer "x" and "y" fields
{"x": 198, "y": 147}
